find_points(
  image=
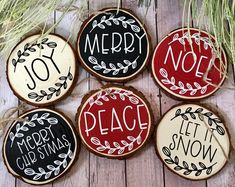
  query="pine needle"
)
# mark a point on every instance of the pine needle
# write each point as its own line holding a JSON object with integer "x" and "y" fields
{"x": 220, "y": 16}
{"x": 18, "y": 17}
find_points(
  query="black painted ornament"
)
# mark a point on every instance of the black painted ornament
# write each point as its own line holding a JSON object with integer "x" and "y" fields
{"x": 113, "y": 45}
{"x": 41, "y": 148}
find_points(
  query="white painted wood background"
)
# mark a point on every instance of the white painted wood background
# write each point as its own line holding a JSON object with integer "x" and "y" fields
{"x": 144, "y": 169}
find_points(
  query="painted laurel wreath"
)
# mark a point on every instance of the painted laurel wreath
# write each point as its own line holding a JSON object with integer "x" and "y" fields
{"x": 31, "y": 123}
{"x": 109, "y": 93}
{"x": 112, "y": 67}
{"x": 119, "y": 147}
{"x": 52, "y": 169}
{"x": 57, "y": 91}
{"x": 195, "y": 36}
{"x": 199, "y": 113}
{"x": 110, "y": 20}
{"x": 31, "y": 48}
{"x": 185, "y": 166}
{"x": 181, "y": 87}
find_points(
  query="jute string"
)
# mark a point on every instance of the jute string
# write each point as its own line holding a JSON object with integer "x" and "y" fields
{"x": 82, "y": 15}
{"x": 8, "y": 117}
{"x": 216, "y": 139}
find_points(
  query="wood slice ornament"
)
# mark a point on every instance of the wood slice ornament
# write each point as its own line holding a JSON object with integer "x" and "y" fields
{"x": 180, "y": 68}
{"x": 192, "y": 141}
{"x": 114, "y": 121}
{"x": 41, "y": 148}
{"x": 42, "y": 72}
{"x": 113, "y": 45}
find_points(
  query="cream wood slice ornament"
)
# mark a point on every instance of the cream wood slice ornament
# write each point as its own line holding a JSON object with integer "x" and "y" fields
{"x": 189, "y": 72}
{"x": 114, "y": 121}
{"x": 42, "y": 148}
{"x": 42, "y": 72}
{"x": 113, "y": 45}
{"x": 186, "y": 145}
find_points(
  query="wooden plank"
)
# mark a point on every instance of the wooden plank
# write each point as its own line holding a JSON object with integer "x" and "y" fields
{"x": 169, "y": 17}
{"x": 49, "y": 22}
{"x": 7, "y": 100}
{"x": 145, "y": 169}
{"x": 223, "y": 100}
{"x": 6, "y": 95}
{"x": 103, "y": 171}
{"x": 79, "y": 174}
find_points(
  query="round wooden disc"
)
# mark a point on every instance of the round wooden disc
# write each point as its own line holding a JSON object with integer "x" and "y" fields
{"x": 113, "y": 45}
{"x": 181, "y": 69}
{"x": 41, "y": 148}
{"x": 188, "y": 140}
{"x": 114, "y": 121}
{"x": 42, "y": 72}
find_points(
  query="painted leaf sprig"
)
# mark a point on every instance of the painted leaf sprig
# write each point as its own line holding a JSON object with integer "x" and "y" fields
{"x": 103, "y": 96}
{"x": 192, "y": 89}
{"x": 28, "y": 48}
{"x": 111, "y": 67}
{"x": 30, "y": 123}
{"x": 50, "y": 169}
{"x": 118, "y": 147}
{"x": 110, "y": 20}
{"x": 52, "y": 90}
{"x": 198, "y": 113}
{"x": 185, "y": 166}
{"x": 197, "y": 38}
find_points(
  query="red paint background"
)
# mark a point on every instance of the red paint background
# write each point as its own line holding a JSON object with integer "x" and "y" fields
{"x": 117, "y": 135}
{"x": 180, "y": 75}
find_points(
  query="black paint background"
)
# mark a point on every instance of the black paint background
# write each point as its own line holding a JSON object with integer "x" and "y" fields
{"x": 116, "y": 57}
{"x": 12, "y": 153}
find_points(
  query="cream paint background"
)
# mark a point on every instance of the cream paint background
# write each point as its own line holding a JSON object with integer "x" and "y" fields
{"x": 63, "y": 57}
{"x": 167, "y": 128}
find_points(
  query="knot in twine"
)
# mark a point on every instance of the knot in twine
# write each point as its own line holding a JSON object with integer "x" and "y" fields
{"x": 7, "y": 117}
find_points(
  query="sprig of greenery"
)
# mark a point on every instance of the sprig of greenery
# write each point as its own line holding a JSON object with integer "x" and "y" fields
{"x": 145, "y": 3}
{"x": 18, "y": 17}
{"x": 220, "y": 22}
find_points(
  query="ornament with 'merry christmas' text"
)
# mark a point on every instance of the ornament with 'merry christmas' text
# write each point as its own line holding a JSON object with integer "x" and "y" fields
{"x": 188, "y": 71}
{"x": 192, "y": 141}
{"x": 41, "y": 148}
{"x": 114, "y": 121}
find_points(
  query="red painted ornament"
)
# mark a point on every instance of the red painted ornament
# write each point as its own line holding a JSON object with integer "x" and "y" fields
{"x": 180, "y": 69}
{"x": 114, "y": 121}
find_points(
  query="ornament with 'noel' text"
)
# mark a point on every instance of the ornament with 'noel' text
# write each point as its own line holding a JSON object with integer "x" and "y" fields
{"x": 188, "y": 71}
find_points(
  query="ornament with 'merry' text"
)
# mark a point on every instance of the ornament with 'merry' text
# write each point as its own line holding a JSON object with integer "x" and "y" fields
{"x": 113, "y": 45}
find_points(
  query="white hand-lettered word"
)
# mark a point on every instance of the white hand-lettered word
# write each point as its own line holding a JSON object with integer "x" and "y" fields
{"x": 115, "y": 119}
{"x": 196, "y": 62}
{"x": 117, "y": 40}
{"x": 39, "y": 145}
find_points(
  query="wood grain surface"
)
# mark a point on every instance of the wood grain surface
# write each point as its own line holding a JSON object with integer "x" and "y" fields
{"x": 144, "y": 169}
